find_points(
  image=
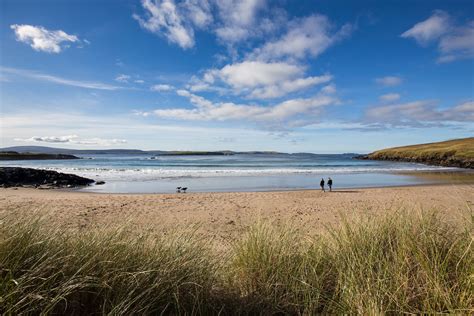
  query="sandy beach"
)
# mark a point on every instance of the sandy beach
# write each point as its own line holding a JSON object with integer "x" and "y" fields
{"x": 225, "y": 216}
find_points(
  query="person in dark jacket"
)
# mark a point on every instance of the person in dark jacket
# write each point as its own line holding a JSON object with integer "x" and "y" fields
{"x": 322, "y": 185}
{"x": 330, "y": 183}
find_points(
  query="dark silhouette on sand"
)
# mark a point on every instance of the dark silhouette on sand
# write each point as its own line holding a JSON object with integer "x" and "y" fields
{"x": 181, "y": 189}
{"x": 322, "y": 185}
{"x": 330, "y": 183}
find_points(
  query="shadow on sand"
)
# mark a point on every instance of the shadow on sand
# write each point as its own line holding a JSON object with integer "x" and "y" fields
{"x": 343, "y": 191}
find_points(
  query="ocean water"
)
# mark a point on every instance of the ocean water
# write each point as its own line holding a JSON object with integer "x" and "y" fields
{"x": 145, "y": 173}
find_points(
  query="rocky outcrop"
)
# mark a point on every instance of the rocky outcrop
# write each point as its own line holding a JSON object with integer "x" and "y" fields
{"x": 17, "y": 177}
{"x": 444, "y": 160}
{"x": 13, "y": 155}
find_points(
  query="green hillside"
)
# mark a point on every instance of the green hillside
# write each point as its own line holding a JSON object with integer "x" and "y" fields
{"x": 453, "y": 153}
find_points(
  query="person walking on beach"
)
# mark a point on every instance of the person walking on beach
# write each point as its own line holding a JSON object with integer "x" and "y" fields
{"x": 322, "y": 185}
{"x": 330, "y": 184}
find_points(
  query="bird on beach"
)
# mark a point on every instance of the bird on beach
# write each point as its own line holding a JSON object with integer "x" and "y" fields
{"x": 178, "y": 190}
{"x": 184, "y": 189}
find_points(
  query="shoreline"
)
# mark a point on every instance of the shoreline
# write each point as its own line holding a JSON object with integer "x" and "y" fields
{"x": 335, "y": 190}
{"x": 467, "y": 173}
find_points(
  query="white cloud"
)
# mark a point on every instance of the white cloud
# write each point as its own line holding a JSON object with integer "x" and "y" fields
{"x": 420, "y": 113}
{"x": 163, "y": 17}
{"x": 176, "y": 21}
{"x": 454, "y": 42}
{"x": 49, "y": 139}
{"x": 253, "y": 73}
{"x": 430, "y": 29}
{"x": 238, "y": 18}
{"x": 72, "y": 139}
{"x": 389, "y": 81}
{"x": 162, "y": 87}
{"x": 199, "y": 12}
{"x": 139, "y": 81}
{"x": 122, "y": 78}
{"x": 100, "y": 141}
{"x": 288, "y": 86}
{"x": 257, "y": 79}
{"x": 329, "y": 89}
{"x": 277, "y": 116}
{"x": 59, "y": 80}
{"x": 457, "y": 44}
{"x": 41, "y": 39}
{"x": 309, "y": 36}
{"x": 389, "y": 97}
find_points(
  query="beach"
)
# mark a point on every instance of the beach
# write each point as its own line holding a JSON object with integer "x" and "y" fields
{"x": 224, "y": 217}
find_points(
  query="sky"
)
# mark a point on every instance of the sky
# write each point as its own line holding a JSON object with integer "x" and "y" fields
{"x": 326, "y": 76}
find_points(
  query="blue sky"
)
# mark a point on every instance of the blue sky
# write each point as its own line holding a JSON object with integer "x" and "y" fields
{"x": 315, "y": 76}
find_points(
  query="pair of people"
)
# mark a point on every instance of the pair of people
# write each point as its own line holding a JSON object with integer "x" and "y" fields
{"x": 329, "y": 184}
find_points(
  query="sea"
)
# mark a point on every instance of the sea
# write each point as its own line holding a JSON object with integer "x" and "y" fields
{"x": 146, "y": 173}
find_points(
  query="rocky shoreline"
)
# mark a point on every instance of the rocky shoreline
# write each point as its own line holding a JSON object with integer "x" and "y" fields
{"x": 37, "y": 178}
{"x": 447, "y": 161}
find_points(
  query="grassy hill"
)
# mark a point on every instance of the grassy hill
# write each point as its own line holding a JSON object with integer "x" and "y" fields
{"x": 452, "y": 153}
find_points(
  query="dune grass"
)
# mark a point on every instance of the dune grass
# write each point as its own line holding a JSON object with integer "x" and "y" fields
{"x": 399, "y": 263}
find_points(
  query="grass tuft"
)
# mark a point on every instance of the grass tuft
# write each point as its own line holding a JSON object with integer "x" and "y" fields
{"x": 398, "y": 263}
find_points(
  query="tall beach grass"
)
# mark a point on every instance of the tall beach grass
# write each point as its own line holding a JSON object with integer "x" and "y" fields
{"x": 398, "y": 263}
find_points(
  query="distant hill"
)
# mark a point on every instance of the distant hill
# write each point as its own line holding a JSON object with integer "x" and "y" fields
{"x": 67, "y": 151}
{"x": 13, "y": 155}
{"x": 52, "y": 150}
{"x": 451, "y": 153}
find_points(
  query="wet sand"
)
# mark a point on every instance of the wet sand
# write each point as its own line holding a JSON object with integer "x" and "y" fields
{"x": 225, "y": 216}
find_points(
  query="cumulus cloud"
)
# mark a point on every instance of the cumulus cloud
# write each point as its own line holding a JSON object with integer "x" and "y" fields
{"x": 278, "y": 115}
{"x": 257, "y": 79}
{"x": 389, "y": 97}
{"x": 309, "y": 36}
{"x": 162, "y": 87}
{"x": 73, "y": 139}
{"x": 41, "y": 39}
{"x": 420, "y": 113}
{"x": 454, "y": 42}
{"x": 59, "y": 80}
{"x": 389, "y": 81}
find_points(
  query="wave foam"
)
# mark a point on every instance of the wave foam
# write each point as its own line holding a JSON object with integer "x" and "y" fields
{"x": 149, "y": 174}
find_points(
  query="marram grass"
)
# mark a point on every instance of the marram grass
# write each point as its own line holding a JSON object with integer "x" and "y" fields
{"x": 399, "y": 263}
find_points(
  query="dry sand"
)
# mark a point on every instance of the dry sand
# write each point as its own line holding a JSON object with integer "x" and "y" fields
{"x": 225, "y": 216}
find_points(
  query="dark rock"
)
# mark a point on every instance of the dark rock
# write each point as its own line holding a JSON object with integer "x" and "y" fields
{"x": 445, "y": 161}
{"x": 16, "y": 176}
{"x": 100, "y": 182}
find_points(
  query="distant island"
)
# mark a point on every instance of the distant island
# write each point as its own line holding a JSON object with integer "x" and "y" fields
{"x": 14, "y": 155}
{"x": 43, "y": 150}
{"x": 452, "y": 153}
